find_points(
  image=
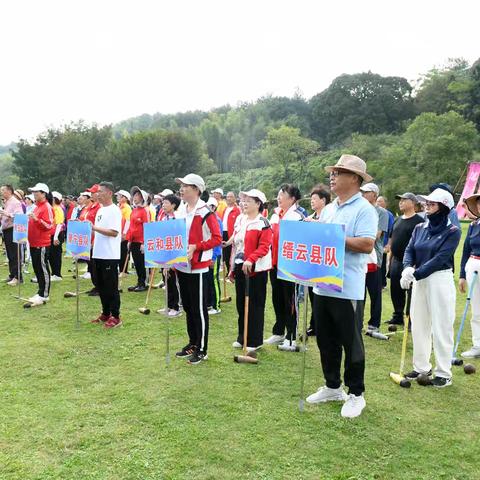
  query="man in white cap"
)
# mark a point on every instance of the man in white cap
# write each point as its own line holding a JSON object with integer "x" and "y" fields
{"x": 338, "y": 314}
{"x": 222, "y": 205}
{"x": 373, "y": 280}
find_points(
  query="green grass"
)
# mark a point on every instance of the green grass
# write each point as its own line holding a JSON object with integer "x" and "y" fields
{"x": 85, "y": 403}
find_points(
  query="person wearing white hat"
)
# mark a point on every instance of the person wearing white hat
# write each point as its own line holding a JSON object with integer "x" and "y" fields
{"x": 203, "y": 235}
{"x": 140, "y": 215}
{"x": 222, "y": 205}
{"x": 338, "y": 314}
{"x": 40, "y": 225}
{"x": 428, "y": 264}
{"x": 252, "y": 259}
{"x": 123, "y": 202}
{"x": 469, "y": 265}
{"x": 57, "y": 238}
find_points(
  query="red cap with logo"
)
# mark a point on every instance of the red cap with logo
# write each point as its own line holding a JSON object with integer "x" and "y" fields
{"x": 94, "y": 188}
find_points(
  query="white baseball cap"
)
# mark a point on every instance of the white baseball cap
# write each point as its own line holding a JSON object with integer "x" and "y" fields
{"x": 166, "y": 192}
{"x": 370, "y": 187}
{"x": 192, "y": 179}
{"x": 40, "y": 187}
{"x": 439, "y": 195}
{"x": 218, "y": 190}
{"x": 57, "y": 195}
{"x": 212, "y": 201}
{"x": 125, "y": 194}
{"x": 254, "y": 193}
{"x": 30, "y": 197}
{"x": 86, "y": 194}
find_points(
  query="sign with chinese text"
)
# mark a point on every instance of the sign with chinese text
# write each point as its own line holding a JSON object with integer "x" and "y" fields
{"x": 79, "y": 239}
{"x": 312, "y": 253}
{"x": 20, "y": 228}
{"x": 165, "y": 243}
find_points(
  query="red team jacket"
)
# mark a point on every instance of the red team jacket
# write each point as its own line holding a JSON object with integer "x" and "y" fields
{"x": 39, "y": 230}
{"x": 291, "y": 214}
{"x": 139, "y": 216}
{"x": 232, "y": 216}
{"x": 257, "y": 243}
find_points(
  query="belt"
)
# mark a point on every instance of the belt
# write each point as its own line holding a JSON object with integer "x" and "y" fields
{"x": 475, "y": 257}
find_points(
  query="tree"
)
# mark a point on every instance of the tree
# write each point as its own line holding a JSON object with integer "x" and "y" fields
{"x": 364, "y": 103}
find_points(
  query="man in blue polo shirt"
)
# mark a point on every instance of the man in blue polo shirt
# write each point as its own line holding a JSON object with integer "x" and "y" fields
{"x": 338, "y": 315}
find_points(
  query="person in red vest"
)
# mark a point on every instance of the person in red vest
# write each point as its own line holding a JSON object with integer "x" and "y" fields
{"x": 40, "y": 225}
{"x": 230, "y": 214}
{"x": 140, "y": 215}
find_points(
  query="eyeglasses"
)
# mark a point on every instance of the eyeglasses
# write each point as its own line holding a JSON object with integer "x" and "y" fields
{"x": 337, "y": 173}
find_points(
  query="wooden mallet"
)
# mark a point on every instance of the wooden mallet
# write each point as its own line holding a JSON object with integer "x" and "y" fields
{"x": 145, "y": 310}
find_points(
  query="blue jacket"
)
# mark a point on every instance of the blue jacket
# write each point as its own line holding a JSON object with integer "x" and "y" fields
{"x": 217, "y": 251}
{"x": 430, "y": 254}
{"x": 471, "y": 245}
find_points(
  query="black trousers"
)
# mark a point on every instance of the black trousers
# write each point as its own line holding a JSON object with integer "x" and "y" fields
{"x": 339, "y": 329}
{"x": 193, "y": 289}
{"x": 257, "y": 294}
{"x": 123, "y": 255}
{"x": 283, "y": 299}
{"x": 56, "y": 253}
{"x": 139, "y": 262}
{"x": 214, "y": 285}
{"x": 373, "y": 285}
{"x": 384, "y": 270}
{"x": 93, "y": 271}
{"x": 172, "y": 293}
{"x": 227, "y": 253}
{"x": 41, "y": 269}
{"x": 311, "y": 296}
{"x": 107, "y": 285}
{"x": 397, "y": 293}
{"x": 12, "y": 254}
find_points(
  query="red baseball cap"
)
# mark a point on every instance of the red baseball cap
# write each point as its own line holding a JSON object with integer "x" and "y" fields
{"x": 94, "y": 188}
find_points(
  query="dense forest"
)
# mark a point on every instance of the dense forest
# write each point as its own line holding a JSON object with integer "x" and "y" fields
{"x": 410, "y": 136}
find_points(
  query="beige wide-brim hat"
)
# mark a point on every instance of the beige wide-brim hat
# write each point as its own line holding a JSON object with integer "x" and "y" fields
{"x": 353, "y": 164}
{"x": 471, "y": 203}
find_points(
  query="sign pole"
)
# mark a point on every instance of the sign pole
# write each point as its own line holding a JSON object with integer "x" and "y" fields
{"x": 301, "y": 404}
{"x": 167, "y": 339}
{"x": 77, "y": 293}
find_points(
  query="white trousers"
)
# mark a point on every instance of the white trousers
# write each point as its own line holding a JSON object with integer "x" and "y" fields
{"x": 433, "y": 314}
{"x": 473, "y": 265}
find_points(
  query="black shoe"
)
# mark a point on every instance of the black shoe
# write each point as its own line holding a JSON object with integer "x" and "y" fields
{"x": 441, "y": 382}
{"x": 132, "y": 288}
{"x": 186, "y": 351}
{"x": 310, "y": 332}
{"x": 394, "y": 321}
{"x": 93, "y": 293}
{"x": 140, "y": 288}
{"x": 197, "y": 358}
{"x": 413, "y": 375}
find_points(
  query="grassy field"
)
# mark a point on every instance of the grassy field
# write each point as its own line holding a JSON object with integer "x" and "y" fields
{"x": 85, "y": 403}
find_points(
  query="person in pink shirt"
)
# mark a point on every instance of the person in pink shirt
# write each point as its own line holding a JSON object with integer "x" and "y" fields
{"x": 11, "y": 206}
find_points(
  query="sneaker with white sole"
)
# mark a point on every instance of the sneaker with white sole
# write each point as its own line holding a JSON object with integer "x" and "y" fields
{"x": 474, "y": 352}
{"x": 174, "y": 313}
{"x": 86, "y": 276}
{"x": 353, "y": 406}
{"x": 236, "y": 344}
{"x": 35, "y": 298}
{"x": 13, "y": 282}
{"x": 326, "y": 394}
{"x": 288, "y": 346}
{"x": 214, "y": 311}
{"x": 34, "y": 280}
{"x": 441, "y": 382}
{"x": 56, "y": 278}
{"x": 274, "y": 340}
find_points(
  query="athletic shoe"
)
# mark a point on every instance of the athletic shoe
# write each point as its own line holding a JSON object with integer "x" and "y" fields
{"x": 214, "y": 311}
{"x": 34, "y": 280}
{"x": 474, "y": 352}
{"x": 93, "y": 293}
{"x": 186, "y": 351}
{"x": 197, "y": 358}
{"x": 326, "y": 394}
{"x": 254, "y": 349}
{"x": 274, "y": 340}
{"x": 86, "y": 276}
{"x": 162, "y": 310}
{"x": 371, "y": 328}
{"x": 174, "y": 313}
{"x": 288, "y": 346}
{"x": 112, "y": 322}
{"x": 159, "y": 285}
{"x": 132, "y": 288}
{"x": 236, "y": 344}
{"x": 394, "y": 321}
{"x": 8, "y": 279}
{"x": 45, "y": 299}
{"x": 441, "y": 382}
{"x": 413, "y": 375}
{"x": 56, "y": 278}
{"x": 353, "y": 406}
{"x": 13, "y": 282}
{"x": 35, "y": 298}
{"x": 140, "y": 288}
{"x": 101, "y": 319}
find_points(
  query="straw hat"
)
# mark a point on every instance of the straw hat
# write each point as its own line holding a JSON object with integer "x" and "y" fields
{"x": 353, "y": 164}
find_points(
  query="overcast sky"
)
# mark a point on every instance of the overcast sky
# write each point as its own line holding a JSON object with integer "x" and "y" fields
{"x": 106, "y": 61}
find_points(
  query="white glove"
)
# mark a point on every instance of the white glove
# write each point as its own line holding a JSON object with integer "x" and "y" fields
{"x": 407, "y": 278}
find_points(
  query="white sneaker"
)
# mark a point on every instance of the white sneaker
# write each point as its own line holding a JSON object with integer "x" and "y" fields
{"x": 13, "y": 282}
{"x": 474, "y": 352}
{"x": 253, "y": 349}
{"x": 34, "y": 280}
{"x": 86, "y": 276}
{"x": 35, "y": 298}
{"x": 274, "y": 340}
{"x": 236, "y": 344}
{"x": 56, "y": 278}
{"x": 214, "y": 311}
{"x": 353, "y": 406}
{"x": 288, "y": 346}
{"x": 45, "y": 299}
{"x": 174, "y": 313}
{"x": 325, "y": 394}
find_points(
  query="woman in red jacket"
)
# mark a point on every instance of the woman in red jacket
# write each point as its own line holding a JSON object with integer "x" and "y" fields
{"x": 203, "y": 233}
{"x": 140, "y": 215}
{"x": 40, "y": 225}
{"x": 252, "y": 257}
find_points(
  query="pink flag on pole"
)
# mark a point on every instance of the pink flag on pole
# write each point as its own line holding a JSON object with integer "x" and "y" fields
{"x": 471, "y": 187}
